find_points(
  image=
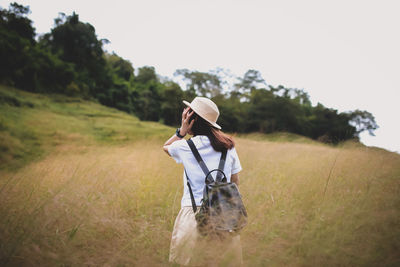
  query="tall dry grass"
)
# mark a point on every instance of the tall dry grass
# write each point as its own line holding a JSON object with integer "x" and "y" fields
{"x": 315, "y": 205}
{"x": 308, "y": 205}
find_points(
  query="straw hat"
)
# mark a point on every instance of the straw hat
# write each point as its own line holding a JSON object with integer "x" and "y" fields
{"x": 206, "y": 109}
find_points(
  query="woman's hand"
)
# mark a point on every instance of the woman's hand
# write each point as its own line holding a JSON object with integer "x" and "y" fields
{"x": 186, "y": 126}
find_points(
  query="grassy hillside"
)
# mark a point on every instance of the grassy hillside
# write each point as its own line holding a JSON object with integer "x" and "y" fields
{"x": 82, "y": 184}
{"x": 33, "y": 125}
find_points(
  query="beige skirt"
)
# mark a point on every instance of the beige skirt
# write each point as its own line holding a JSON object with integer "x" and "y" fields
{"x": 188, "y": 247}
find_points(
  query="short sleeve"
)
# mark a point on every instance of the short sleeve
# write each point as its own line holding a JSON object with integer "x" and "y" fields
{"x": 174, "y": 150}
{"x": 236, "y": 167}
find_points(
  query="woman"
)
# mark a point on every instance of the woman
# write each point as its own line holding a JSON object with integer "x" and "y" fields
{"x": 187, "y": 246}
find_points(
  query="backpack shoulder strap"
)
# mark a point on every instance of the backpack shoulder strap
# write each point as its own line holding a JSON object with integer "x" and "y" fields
{"x": 221, "y": 167}
{"x": 194, "y": 207}
{"x": 198, "y": 157}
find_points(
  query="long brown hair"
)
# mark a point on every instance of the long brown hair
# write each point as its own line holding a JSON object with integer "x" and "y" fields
{"x": 219, "y": 140}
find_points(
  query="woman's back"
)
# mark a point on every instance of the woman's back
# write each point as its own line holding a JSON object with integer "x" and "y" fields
{"x": 182, "y": 153}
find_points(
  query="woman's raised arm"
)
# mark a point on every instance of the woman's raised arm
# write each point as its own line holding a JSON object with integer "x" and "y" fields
{"x": 186, "y": 126}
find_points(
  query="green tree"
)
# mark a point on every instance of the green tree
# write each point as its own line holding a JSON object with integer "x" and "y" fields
{"x": 172, "y": 106}
{"x": 251, "y": 80}
{"x": 76, "y": 42}
{"x": 203, "y": 83}
{"x": 233, "y": 113}
{"x": 119, "y": 93}
{"x": 327, "y": 125}
{"x": 363, "y": 121}
{"x": 147, "y": 94}
{"x": 269, "y": 113}
{"x": 120, "y": 67}
{"x": 16, "y": 42}
{"x": 15, "y": 20}
{"x": 24, "y": 63}
{"x": 146, "y": 74}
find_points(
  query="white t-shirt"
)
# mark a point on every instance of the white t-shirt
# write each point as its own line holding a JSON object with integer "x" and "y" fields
{"x": 181, "y": 153}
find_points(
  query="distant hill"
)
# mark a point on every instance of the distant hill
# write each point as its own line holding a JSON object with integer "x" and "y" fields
{"x": 31, "y": 125}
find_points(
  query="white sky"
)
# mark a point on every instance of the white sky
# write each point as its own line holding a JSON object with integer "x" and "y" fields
{"x": 344, "y": 53}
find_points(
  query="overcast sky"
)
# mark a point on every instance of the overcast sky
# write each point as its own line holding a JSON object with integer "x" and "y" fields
{"x": 344, "y": 53}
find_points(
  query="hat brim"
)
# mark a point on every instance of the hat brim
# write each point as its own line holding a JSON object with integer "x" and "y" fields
{"x": 194, "y": 109}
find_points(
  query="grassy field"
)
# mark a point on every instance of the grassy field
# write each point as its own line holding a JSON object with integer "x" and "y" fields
{"x": 82, "y": 184}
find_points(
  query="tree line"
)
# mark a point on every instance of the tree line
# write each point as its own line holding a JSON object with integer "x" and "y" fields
{"x": 70, "y": 60}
